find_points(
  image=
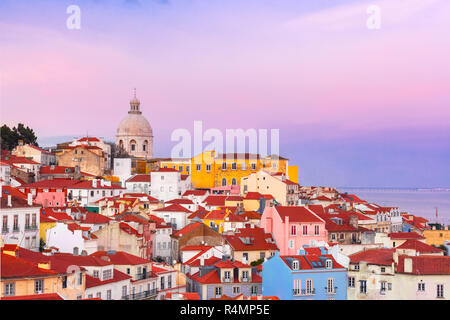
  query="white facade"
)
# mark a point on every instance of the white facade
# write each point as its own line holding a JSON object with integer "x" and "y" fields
{"x": 122, "y": 169}
{"x": 168, "y": 185}
{"x": 162, "y": 244}
{"x": 110, "y": 291}
{"x": 138, "y": 186}
{"x": 5, "y": 173}
{"x": 69, "y": 242}
{"x": 99, "y": 190}
{"x": 178, "y": 219}
{"x": 20, "y": 225}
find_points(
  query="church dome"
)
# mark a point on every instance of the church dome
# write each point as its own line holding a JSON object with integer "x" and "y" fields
{"x": 134, "y": 125}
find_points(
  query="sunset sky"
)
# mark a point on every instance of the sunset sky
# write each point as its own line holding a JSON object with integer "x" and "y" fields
{"x": 354, "y": 106}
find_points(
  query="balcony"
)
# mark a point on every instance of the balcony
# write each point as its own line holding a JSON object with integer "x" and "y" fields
{"x": 303, "y": 292}
{"x": 5, "y": 230}
{"x": 245, "y": 280}
{"x": 331, "y": 290}
{"x": 226, "y": 280}
{"x": 142, "y": 276}
{"x": 140, "y": 295}
{"x": 16, "y": 229}
{"x": 30, "y": 228}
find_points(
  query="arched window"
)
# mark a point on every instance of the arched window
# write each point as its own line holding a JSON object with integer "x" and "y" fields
{"x": 144, "y": 146}
{"x": 233, "y": 181}
{"x": 133, "y": 145}
{"x": 121, "y": 144}
{"x": 224, "y": 182}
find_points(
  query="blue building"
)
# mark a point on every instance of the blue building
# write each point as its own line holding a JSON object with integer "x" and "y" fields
{"x": 313, "y": 274}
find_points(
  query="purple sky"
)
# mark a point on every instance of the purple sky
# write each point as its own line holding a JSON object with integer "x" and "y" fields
{"x": 355, "y": 107}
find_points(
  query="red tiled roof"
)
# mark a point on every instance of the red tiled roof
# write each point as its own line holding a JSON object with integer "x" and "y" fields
{"x": 56, "y": 170}
{"x": 89, "y": 139}
{"x": 251, "y": 215}
{"x": 207, "y": 262}
{"x": 425, "y": 265}
{"x": 88, "y": 184}
{"x": 140, "y": 178}
{"x": 121, "y": 257}
{"x": 53, "y": 215}
{"x": 42, "y": 296}
{"x": 215, "y": 200}
{"x": 94, "y": 282}
{"x": 419, "y": 246}
{"x": 173, "y": 208}
{"x": 13, "y": 267}
{"x": 234, "y": 198}
{"x": 187, "y": 229}
{"x": 94, "y": 218}
{"x": 297, "y": 214}
{"x": 380, "y": 256}
{"x": 405, "y": 235}
{"x": 256, "y": 237}
{"x": 253, "y": 196}
{"x": 166, "y": 170}
{"x": 180, "y": 201}
{"x": 194, "y": 193}
{"x": 13, "y": 192}
{"x": 51, "y": 184}
{"x": 213, "y": 277}
{"x": 126, "y": 228}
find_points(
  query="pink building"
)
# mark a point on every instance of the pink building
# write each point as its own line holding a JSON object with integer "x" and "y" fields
{"x": 51, "y": 199}
{"x": 293, "y": 227}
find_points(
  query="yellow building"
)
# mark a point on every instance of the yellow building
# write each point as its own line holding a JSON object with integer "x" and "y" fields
{"x": 216, "y": 219}
{"x": 436, "y": 237}
{"x": 209, "y": 170}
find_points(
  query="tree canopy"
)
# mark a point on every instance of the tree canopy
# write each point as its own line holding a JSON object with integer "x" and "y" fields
{"x": 10, "y": 137}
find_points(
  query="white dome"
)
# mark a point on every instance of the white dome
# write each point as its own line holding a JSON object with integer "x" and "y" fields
{"x": 134, "y": 125}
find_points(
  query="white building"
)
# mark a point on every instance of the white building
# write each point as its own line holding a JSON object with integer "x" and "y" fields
{"x": 90, "y": 191}
{"x": 174, "y": 214}
{"x": 5, "y": 173}
{"x": 162, "y": 245}
{"x": 139, "y": 183}
{"x": 168, "y": 184}
{"x": 20, "y": 221}
{"x": 71, "y": 238}
{"x": 122, "y": 169}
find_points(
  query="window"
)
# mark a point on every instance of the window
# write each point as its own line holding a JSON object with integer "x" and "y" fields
{"x": 329, "y": 264}
{"x": 356, "y": 267}
{"x": 92, "y": 193}
{"x": 382, "y": 287}
{"x": 316, "y": 230}
{"x": 291, "y": 244}
{"x": 341, "y": 236}
{"x": 309, "y": 286}
{"x": 233, "y": 181}
{"x": 305, "y": 230}
{"x": 208, "y": 167}
{"x": 180, "y": 168}
{"x": 39, "y": 286}
{"x": 293, "y": 230}
{"x": 133, "y": 147}
{"x": 162, "y": 283}
{"x": 64, "y": 282}
{"x": 143, "y": 147}
{"x": 254, "y": 290}
{"x": 295, "y": 265}
{"x": 333, "y": 236}
{"x": 297, "y": 286}
{"x": 5, "y": 224}
{"x": 80, "y": 278}
{"x": 99, "y": 295}
{"x": 227, "y": 276}
{"x": 10, "y": 289}
{"x": 245, "y": 275}
{"x": 389, "y": 286}
{"x": 363, "y": 286}
{"x": 421, "y": 286}
{"x": 440, "y": 291}
{"x": 16, "y": 223}
{"x": 224, "y": 182}
{"x": 188, "y": 168}
{"x": 253, "y": 166}
{"x": 90, "y": 296}
{"x": 107, "y": 274}
{"x": 169, "y": 282}
{"x": 27, "y": 221}
{"x": 199, "y": 167}
{"x": 383, "y": 269}
{"x": 330, "y": 285}
{"x": 224, "y": 166}
{"x": 233, "y": 166}
{"x": 236, "y": 290}
{"x": 124, "y": 291}
{"x": 95, "y": 273}
{"x": 351, "y": 282}
{"x": 108, "y": 294}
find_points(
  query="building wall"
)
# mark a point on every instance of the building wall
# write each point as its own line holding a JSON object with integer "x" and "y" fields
{"x": 10, "y": 236}
{"x": 436, "y": 237}
{"x": 88, "y": 160}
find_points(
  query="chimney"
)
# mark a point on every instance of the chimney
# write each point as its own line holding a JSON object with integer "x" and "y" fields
{"x": 9, "y": 201}
{"x": 30, "y": 199}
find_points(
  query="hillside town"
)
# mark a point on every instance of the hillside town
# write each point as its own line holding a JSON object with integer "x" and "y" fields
{"x": 89, "y": 219}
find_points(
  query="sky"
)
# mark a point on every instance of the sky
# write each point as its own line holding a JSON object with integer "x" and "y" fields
{"x": 356, "y": 107}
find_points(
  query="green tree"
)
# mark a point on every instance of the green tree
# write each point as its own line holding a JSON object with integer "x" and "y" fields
{"x": 10, "y": 137}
